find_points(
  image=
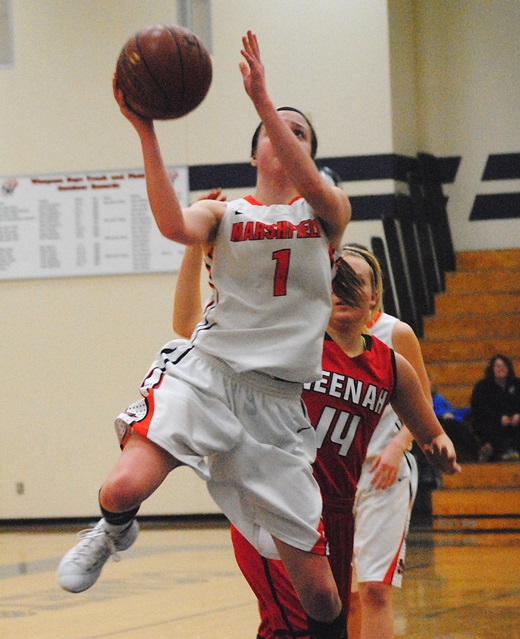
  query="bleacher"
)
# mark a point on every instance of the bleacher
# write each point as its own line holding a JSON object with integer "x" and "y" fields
{"x": 464, "y": 308}
{"x": 476, "y": 317}
{"x": 484, "y": 497}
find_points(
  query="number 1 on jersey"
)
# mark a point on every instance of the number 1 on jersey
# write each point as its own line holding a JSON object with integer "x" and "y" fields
{"x": 281, "y": 273}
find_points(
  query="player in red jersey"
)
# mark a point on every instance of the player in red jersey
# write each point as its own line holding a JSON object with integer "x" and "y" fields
{"x": 361, "y": 375}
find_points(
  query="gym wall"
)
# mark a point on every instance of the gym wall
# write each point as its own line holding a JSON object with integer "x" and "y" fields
{"x": 376, "y": 79}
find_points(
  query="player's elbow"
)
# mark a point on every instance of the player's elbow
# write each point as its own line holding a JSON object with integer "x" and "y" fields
{"x": 171, "y": 232}
{"x": 184, "y": 326}
{"x": 181, "y": 329}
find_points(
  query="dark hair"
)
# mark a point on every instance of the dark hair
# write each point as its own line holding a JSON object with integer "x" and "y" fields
{"x": 314, "y": 139}
{"x": 488, "y": 373}
{"x": 346, "y": 284}
{"x": 376, "y": 275}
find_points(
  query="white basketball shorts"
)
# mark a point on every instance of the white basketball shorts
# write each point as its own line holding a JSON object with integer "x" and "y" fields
{"x": 246, "y": 434}
{"x": 382, "y": 518}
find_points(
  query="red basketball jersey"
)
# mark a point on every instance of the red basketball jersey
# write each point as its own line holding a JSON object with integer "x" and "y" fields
{"x": 344, "y": 408}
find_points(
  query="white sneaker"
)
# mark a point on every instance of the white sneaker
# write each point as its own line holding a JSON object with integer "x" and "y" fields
{"x": 81, "y": 566}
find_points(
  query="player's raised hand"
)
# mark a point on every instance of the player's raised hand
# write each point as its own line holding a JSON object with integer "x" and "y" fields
{"x": 253, "y": 73}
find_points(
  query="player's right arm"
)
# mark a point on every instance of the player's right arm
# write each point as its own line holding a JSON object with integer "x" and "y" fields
{"x": 196, "y": 224}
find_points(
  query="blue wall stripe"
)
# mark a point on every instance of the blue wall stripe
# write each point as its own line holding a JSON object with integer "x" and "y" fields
{"x": 350, "y": 169}
{"x": 496, "y": 206}
{"x": 358, "y": 168}
{"x": 384, "y": 166}
{"x": 228, "y": 176}
{"x": 502, "y": 166}
{"x": 372, "y": 207}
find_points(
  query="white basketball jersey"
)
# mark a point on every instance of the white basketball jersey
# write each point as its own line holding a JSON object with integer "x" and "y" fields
{"x": 389, "y": 424}
{"x": 270, "y": 270}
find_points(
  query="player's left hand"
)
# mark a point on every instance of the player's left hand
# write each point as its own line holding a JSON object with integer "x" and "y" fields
{"x": 441, "y": 454}
{"x": 253, "y": 73}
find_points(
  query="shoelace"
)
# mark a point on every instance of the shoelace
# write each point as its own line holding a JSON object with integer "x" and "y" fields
{"x": 91, "y": 534}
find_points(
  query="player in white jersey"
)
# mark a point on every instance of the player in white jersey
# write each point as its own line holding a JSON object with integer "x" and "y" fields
{"x": 228, "y": 403}
{"x": 273, "y": 306}
{"x": 384, "y": 499}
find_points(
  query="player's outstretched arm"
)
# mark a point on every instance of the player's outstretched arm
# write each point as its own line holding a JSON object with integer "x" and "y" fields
{"x": 412, "y": 407}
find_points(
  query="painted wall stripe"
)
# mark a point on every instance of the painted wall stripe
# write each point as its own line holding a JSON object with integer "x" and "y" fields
{"x": 350, "y": 169}
{"x": 502, "y": 166}
{"x": 496, "y": 206}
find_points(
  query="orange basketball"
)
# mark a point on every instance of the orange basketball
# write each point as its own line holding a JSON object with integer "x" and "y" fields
{"x": 164, "y": 72}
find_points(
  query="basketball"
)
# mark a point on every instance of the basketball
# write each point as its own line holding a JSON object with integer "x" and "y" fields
{"x": 164, "y": 72}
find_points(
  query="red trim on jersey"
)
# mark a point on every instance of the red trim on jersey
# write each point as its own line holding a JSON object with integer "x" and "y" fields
{"x": 321, "y": 547}
{"x": 376, "y": 317}
{"x": 251, "y": 200}
{"x": 393, "y": 566}
{"x": 143, "y": 425}
{"x": 254, "y": 202}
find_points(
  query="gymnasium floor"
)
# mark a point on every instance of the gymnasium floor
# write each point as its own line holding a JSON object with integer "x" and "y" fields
{"x": 182, "y": 581}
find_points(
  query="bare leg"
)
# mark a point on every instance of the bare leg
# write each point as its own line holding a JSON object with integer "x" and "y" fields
{"x": 377, "y": 617}
{"x": 140, "y": 470}
{"x": 313, "y": 582}
{"x": 354, "y": 616}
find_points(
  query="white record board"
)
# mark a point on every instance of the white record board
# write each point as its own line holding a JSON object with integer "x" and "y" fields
{"x": 83, "y": 224}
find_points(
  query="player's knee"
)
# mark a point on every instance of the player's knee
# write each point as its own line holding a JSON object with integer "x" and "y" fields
{"x": 376, "y": 595}
{"x": 119, "y": 494}
{"x": 322, "y": 601}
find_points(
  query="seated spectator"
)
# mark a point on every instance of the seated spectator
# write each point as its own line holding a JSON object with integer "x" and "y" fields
{"x": 495, "y": 410}
{"x": 454, "y": 421}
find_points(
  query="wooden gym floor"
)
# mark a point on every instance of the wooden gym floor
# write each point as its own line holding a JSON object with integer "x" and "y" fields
{"x": 182, "y": 581}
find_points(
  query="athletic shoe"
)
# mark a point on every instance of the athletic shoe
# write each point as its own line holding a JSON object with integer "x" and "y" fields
{"x": 510, "y": 455}
{"x": 80, "y": 567}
